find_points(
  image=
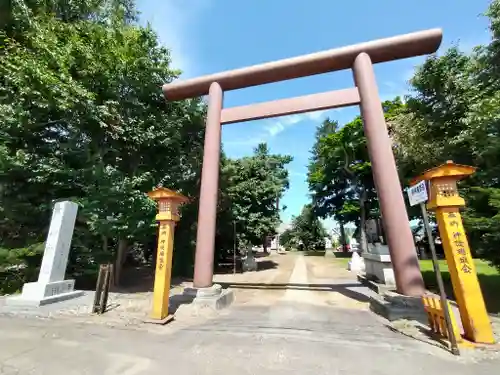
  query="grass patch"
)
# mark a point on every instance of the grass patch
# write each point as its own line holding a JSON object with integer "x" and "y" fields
{"x": 489, "y": 279}
{"x": 314, "y": 253}
{"x": 342, "y": 259}
{"x": 342, "y": 262}
{"x": 341, "y": 254}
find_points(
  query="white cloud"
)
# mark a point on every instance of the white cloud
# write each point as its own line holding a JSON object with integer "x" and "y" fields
{"x": 390, "y": 84}
{"x": 173, "y": 21}
{"x": 468, "y": 44}
{"x": 273, "y": 127}
{"x": 252, "y": 141}
{"x": 279, "y": 125}
{"x": 302, "y": 175}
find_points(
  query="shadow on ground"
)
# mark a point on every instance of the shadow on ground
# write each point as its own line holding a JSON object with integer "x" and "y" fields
{"x": 426, "y": 336}
{"x": 322, "y": 253}
{"x": 344, "y": 289}
{"x": 141, "y": 279}
{"x": 176, "y": 301}
{"x": 138, "y": 279}
{"x": 314, "y": 253}
{"x": 228, "y": 268}
{"x": 342, "y": 254}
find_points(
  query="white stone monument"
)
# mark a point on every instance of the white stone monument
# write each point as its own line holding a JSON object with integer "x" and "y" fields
{"x": 51, "y": 286}
{"x": 356, "y": 264}
{"x": 328, "y": 243}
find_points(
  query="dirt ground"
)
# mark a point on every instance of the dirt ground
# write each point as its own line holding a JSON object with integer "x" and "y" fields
{"x": 317, "y": 279}
{"x": 297, "y": 313}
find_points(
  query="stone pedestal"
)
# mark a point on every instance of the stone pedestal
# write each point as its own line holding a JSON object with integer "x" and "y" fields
{"x": 378, "y": 248}
{"x": 379, "y": 275}
{"x": 51, "y": 286}
{"x": 378, "y": 267}
{"x": 213, "y": 297}
{"x": 394, "y": 306}
{"x": 380, "y": 278}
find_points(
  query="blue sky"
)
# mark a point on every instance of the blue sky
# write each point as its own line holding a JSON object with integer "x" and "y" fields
{"x": 208, "y": 36}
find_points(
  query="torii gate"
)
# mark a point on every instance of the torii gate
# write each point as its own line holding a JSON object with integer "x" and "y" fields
{"x": 360, "y": 58}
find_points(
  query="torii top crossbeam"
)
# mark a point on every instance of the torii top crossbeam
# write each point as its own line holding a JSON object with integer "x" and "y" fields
{"x": 381, "y": 50}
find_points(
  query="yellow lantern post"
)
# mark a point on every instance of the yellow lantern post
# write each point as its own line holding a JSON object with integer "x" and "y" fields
{"x": 168, "y": 215}
{"x": 446, "y": 202}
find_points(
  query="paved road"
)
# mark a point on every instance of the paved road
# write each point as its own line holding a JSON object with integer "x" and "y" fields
{"x": 301, "y": 327}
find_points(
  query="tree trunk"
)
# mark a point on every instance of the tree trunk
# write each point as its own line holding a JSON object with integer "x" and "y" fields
{"x": 423, "y": 252}
{"x": 120, "y": 259}
{"x": 104, "y": 245}
{"x": 380, "y": 231}
{"x": 342, "y": 238}
{"x": 363, "y": 242}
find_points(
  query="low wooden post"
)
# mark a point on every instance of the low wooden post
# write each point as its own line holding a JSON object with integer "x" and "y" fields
{"x": 104, "y": 279}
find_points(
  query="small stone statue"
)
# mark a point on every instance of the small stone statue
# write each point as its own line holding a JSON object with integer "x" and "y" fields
{"x": 249, "y": 264}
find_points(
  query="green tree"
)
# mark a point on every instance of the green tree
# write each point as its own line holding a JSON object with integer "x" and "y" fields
{"x": 340, "y": 176}
{"x": 254, "y": 184}
{"x": 452, "y": 113}
{"x": 432, "y": 127}
{"x": 288, "y": 240}
{"x": 306, "y": 232}
{"x": 82, "y": 117}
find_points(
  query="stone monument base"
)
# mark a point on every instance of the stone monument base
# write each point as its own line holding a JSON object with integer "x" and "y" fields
{"x": 39, "y": 294}
{"x": 394, "y": 306}
{"x": 213, "y": 297}
{"x": 377, "y": 287}
{"x": 378, "y": 267}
